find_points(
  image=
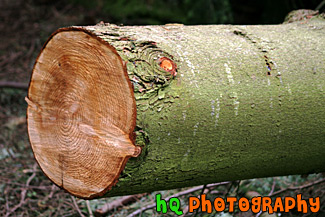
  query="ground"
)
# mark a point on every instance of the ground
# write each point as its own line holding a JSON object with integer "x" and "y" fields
{"x": 24, "y": 189}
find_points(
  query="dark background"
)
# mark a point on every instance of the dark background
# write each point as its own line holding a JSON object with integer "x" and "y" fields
{"x": 195, "y": 11}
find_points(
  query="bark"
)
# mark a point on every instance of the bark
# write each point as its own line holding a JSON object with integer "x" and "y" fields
{"x": 228, "y": 103}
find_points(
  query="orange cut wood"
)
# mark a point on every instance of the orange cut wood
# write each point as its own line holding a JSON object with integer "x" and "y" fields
{"x": 81, "y": 113}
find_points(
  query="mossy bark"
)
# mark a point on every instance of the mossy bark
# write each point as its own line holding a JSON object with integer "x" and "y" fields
{"x": 247, "y": 102}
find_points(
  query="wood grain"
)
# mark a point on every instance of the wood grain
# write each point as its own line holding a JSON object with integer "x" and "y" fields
{"x": 81, "y": 113}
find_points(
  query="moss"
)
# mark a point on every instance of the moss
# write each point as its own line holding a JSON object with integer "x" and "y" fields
{"x": 247, "y": 101}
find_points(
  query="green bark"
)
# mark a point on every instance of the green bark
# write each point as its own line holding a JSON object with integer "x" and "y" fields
{"x": 247, "y": 102}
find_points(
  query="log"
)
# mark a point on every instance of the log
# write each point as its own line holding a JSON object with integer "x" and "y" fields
{"x": 202, "y": 104}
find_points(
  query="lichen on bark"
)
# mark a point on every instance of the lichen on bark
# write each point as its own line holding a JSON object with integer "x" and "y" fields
{"x": 247, "y": 101}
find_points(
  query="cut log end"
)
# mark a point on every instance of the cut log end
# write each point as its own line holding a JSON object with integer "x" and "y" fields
{"x": 81, "y": 113}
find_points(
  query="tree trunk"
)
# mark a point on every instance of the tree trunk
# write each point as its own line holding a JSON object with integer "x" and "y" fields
{"x": 213, "y": 103}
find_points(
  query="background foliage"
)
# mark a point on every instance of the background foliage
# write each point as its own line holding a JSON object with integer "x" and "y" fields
{"x": 196, "y": 11}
